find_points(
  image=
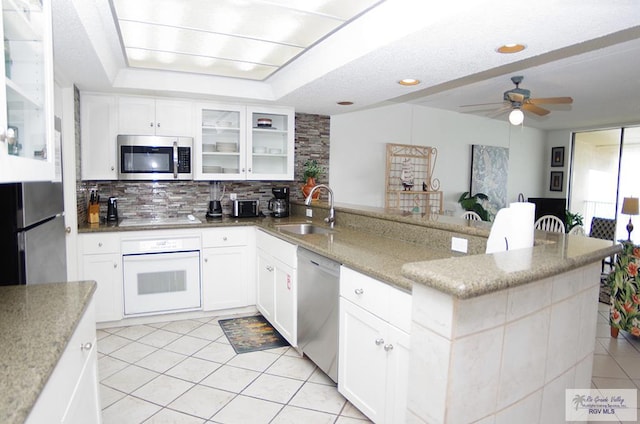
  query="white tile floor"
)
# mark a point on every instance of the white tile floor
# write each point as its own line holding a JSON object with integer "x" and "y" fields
{"x": 186, "y": 372}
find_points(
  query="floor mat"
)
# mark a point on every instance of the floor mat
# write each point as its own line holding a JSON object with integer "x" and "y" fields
{"x": 249, "y": 334}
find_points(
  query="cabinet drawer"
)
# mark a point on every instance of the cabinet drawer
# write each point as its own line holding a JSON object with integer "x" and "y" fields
{"x": 279, "y": 249}
{"x": 93, "y": 244}
{"x": 364, "y": 291}
{"x": 222, "y": 237}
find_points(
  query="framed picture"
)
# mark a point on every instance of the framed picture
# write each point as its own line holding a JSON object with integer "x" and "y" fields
{"x": 556, "y": 181}
{"x": 557, "y": 156}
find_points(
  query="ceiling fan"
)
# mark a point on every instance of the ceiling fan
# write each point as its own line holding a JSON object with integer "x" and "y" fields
{"x": 519, "y": 99}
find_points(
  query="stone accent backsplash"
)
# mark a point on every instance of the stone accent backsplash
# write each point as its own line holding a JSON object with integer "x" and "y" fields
{"x": 167, "y": 199}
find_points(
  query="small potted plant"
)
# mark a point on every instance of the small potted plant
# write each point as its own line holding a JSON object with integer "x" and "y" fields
{"x": 311, "y": 171}
{"x": 474, "y": 203}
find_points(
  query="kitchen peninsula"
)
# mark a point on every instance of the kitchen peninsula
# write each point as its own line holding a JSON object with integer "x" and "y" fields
{"x": 482, "y": 326}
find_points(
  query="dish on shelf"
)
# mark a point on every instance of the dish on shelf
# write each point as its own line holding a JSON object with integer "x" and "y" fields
{"x": 208, "y": 147}
{"x": 264, "y": 123}
{"x": 259, "y": 149}
{"x": 230, "y": 170}
{"x": 264, "y": 128}
{"x": 226, "y": 147}
{"x": 212, "y": 169}
{"x": 275, "y": 151}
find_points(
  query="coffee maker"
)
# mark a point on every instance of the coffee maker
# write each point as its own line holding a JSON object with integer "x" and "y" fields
{"x": 279, "y": 205}
{"x": 112, "y": 209}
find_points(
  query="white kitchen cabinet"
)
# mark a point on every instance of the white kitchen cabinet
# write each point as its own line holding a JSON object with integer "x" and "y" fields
{"x": 373, "y": 361}
{"x": 101, "y": 261}
{"x": 29, "y": 150}
{"x": 150, "y": 116}
{"x": 226, "y": 269}
{"x": 231, "y": 146}
{"x": 99, "y": 131}
{"x": 71, "y": 394}
{"x": 277, "y": 291}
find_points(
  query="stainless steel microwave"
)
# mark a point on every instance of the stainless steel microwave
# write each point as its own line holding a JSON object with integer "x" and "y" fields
{"x": 143, "y": 157}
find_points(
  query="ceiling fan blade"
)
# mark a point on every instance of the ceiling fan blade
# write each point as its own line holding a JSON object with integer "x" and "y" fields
{"x": 535, "y": 109}
{"x": 551, "y": 100}
{"x": 499, "y": 111}
{"x": 483, "y": 104}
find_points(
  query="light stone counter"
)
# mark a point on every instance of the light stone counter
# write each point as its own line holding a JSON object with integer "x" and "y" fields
{"x": 36, "y": 323}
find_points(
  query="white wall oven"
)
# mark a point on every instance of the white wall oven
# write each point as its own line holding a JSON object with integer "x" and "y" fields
{"x": 161, "y": 275}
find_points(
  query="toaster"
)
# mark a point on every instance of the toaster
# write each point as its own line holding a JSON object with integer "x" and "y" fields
{"x": 245, "y": 208}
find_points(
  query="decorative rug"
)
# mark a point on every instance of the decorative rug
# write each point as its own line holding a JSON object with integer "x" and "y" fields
{"x": 250, "y": 334}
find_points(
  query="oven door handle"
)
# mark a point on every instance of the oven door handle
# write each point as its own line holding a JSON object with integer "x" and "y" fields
{"x": 175, "y": 159}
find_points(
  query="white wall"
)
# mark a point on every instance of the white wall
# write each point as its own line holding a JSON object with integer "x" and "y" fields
{"x": 559, "y": 138}
{"x": 358, "y": 142}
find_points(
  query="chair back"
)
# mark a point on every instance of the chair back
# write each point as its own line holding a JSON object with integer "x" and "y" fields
{"x": 549, "y": 223}
{"x": 578, "y": 230}
{"x": 472, "y": 216}
{"x": 603, "y": 228}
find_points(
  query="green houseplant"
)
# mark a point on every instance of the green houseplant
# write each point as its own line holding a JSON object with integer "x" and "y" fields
{"x": 474, "y": 203}
{"x": 571, "y": 220}
{"x": 311, "y": 171}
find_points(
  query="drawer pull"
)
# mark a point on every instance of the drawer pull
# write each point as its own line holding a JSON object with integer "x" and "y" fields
{"x": 269, "y": 268}
{"x": 86, "y": 346}
{"x": 224, "y": 238}
{"x": 99, "y": 244}
{"x": 359, "y": 291}
{"x": 388, "y": 347}
{"x": 380, "y": 342}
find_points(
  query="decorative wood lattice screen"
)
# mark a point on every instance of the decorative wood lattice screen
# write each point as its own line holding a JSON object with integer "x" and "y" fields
{"x": 409, "y": 181}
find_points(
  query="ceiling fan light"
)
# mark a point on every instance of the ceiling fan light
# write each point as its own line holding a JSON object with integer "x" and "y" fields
{"x": 516, "y": 117}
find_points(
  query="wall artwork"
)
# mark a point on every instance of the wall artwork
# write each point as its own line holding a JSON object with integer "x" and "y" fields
{"x": 489, "y": 170}
{"x": 556, "y": 181}
{"x": 557, "y": 157}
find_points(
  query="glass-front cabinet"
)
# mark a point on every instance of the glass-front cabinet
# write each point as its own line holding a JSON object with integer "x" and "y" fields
{"x": 243, "y": 143}
{"x": 27, "y": 149}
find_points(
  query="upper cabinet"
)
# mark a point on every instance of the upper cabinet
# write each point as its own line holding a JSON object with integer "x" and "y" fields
{"x": 237, "y": 142}
{"x": 27, "y": 148}
{"x": 99, "y": 131}
{"x": 148, "y": 116}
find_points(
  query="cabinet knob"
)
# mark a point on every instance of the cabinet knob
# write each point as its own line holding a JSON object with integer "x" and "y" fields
{"x": 151, "y": 124}
{"x": 388, "y": 347}
{"x": 115, "y": 265}
{"x": 358, "y": 291}
{"x": 379, "y": 342}
{"x": 67, "y": 230}
{"x": 242, "y": 170}
{"x": 224, "y": 238}
{"x": 249, "y": 169}
{"x": 86, "y": 346}
{"x": 99, "y": 244}
{"x": 206, "y": 259}
{"x": 113, "y": 168}
{"x": 158, "y": 125}
{"x": 269, "y": 268}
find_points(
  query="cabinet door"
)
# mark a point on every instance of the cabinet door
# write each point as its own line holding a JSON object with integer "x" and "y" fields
{"x": 220, "y": 141}
{"x": 29, "y": 152}
{"x": 362, "y": 366}
{"x": 173, "y": 118}
{"x": 286, "y": 299}
{"x": 98, "y": 121}
{"x": 397, "y": 374}
{"x": 136, "y": 116}
{"x": 84, "y": 406}
{"x": 265, "y": 280}
{"x": 225, "y": 278}
{"x": 270, "y": 148}
{"x": 106, "y": 270}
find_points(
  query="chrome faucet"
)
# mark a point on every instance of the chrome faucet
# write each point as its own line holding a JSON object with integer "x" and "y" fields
{"x": 331, "y": 219}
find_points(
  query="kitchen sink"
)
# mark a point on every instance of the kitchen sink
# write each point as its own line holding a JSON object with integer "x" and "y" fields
{"x": 304, "y": 229}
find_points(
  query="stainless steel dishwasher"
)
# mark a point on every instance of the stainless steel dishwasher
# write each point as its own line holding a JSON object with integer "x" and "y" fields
{"x": 318, "y": 299}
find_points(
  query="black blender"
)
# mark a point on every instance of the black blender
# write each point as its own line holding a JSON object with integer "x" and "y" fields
{"x": 215, "y": 202}
{"x": 279, "y": 205}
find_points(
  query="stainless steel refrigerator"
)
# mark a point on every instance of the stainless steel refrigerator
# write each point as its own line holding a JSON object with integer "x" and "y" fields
{"x": 32, "y": 233}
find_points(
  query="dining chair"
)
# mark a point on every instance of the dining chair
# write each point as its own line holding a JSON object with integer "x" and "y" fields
{"x": 605, "y": 229}
{"x": 471, "y": 216}
{"x": 549, "y": 223}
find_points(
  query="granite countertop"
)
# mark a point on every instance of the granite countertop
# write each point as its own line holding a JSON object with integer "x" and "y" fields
{"x": 403, "y": 263}
{"x": 36, "y": 323}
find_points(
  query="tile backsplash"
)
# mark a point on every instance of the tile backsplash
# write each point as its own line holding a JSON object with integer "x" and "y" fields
{"x": 166, "y": 199}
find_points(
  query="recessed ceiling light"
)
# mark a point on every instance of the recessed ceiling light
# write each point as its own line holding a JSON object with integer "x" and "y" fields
{"x": 345, "y": 103}
{"x": 511, "y": 48}
{"x": 409, "y": 81}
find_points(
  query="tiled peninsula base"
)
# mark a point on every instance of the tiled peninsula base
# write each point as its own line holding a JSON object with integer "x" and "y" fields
{"x": 504, "y": 357}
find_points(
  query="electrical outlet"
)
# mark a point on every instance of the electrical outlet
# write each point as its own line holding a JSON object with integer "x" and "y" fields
{"x": 459, "y": 244}
{"x": 309, "y": 213}
{"x": 233, "y": 196}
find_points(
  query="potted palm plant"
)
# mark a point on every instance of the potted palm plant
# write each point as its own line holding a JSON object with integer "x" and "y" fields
{"x": 312, "y": 170}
